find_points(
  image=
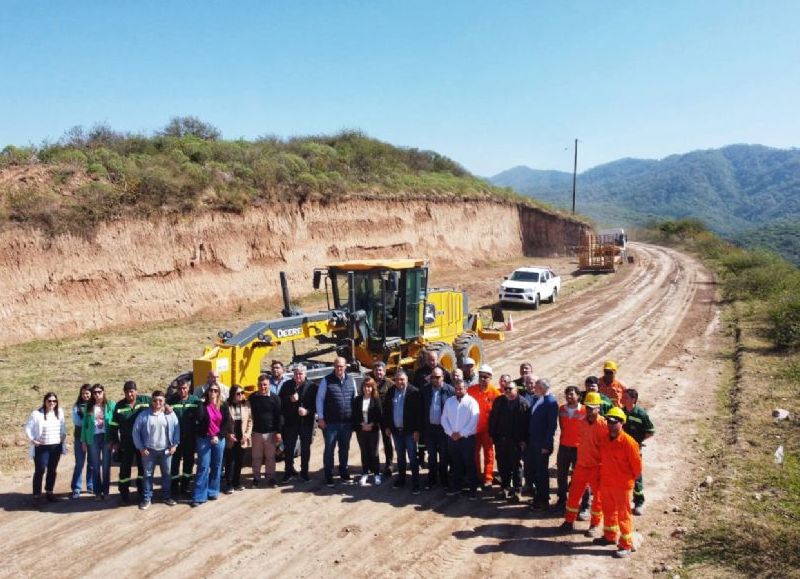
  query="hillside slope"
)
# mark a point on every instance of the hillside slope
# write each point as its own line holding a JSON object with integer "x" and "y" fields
{"x": 107, "y": 229}
{"x": 132, "y": 271}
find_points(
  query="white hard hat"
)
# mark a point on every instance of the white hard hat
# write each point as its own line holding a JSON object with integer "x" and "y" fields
{"x": 468, "y": 362}
{"x": 485, "y": 369}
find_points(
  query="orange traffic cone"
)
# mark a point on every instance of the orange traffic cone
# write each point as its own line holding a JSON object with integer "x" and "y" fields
{"x": 510, "y": 324}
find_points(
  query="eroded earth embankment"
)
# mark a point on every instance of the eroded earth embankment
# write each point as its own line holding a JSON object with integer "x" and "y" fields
{"x": 135, "y": 271}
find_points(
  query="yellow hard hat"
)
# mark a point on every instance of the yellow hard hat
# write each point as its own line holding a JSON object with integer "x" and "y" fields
{"x": 617, "y": 413}
{"x": 593, "y": 399}
{"x": 610, "y": 365}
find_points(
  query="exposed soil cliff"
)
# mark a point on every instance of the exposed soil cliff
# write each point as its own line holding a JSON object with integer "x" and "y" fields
{"x": 134, "y": 271}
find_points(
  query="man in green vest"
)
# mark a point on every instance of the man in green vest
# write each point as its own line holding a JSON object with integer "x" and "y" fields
{"x": 122, "y": 443}
{"x": 185, "y": 405}
{"x": 640, "y": 428}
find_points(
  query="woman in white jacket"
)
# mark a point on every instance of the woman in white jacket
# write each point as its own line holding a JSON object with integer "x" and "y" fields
{"x": 47, "y": 431}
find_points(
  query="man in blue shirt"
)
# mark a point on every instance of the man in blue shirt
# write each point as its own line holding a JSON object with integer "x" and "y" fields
{"x": 404, "y": 420}
{"x": 434, "y": 394}
{"x": 156, "y": 435}
{"x": 334, "y": 411}
{"x": 277, "y": 377}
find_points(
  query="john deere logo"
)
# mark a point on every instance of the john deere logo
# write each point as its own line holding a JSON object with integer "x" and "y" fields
{"x": 289, "y": 333}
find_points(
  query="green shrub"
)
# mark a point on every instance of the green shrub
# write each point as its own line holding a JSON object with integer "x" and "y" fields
{"x": 31, "y": 205}
{"x": 711, "y": 246}
{"x": 157, "y": 187}
{"x": 95, "y": 203}
{"x": 755, "y": 274}
{"x": 97, "y": 170}
{"x": 784, "y": 316}
{"x": 68, "y": 157}
{"x": 198, "y": 151}
{"x": 191, "y": 126}
{"x": 307, "y": 183}
{"x": 234, "y": 200}
{"x": 12, "y": 155}
{"x": 187, "y": 165}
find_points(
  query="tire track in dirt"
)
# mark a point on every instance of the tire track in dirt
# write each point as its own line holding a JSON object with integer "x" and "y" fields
{"x": 634, "y": 315}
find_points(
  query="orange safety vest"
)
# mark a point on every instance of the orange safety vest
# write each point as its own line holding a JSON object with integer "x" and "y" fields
{"x": 614, "y": 391}
{"x": 622, "y": 462}
{"x": 485, "y": 400}
{"x": 590, "y": 437}
{"x": 570, "y": 425}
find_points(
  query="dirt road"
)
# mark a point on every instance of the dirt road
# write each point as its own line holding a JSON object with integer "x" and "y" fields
{"x": 657, "y": 319}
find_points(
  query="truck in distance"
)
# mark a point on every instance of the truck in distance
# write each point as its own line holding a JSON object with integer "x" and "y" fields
{"x": 530, "y": 286}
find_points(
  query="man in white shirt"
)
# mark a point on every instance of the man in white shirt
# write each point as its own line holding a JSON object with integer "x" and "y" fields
{"x": 460, "y": 421}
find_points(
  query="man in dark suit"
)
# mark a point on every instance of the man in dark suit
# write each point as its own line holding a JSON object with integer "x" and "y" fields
{"x": 434, "y": 394}
{"x": 403, "y": 420}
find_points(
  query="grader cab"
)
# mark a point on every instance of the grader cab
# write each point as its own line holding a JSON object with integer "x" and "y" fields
{"x": 402, "y": 317}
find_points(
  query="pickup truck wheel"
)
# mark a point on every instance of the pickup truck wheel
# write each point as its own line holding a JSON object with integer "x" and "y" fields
{"x": 554, "y": 296}
{"x": 536, "y": 302}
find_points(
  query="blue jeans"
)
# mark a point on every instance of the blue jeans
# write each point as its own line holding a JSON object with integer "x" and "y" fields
{"x": 163, "y": 459}
{"x": 336, "y": 433}
{"x": 100, "y": 461}
{"x": 405, "y": 445}
{"x": 209, "y": 469}
{"x": 77, "y": 473}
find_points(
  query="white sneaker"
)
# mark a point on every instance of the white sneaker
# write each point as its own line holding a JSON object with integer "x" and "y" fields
{"x": 378, "y": 480}
{"x": 363, "y": 480}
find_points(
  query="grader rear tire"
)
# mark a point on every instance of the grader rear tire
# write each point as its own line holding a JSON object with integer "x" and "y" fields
{"x": 447, "y": 357}
{"x": 469, "y": 345}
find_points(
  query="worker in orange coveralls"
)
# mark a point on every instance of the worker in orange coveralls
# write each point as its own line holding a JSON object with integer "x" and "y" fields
{"x": 609, "y": 385}
{"x": 620, "y": 467}
{"x": 592, "y": 431}
{"x": 485, "y": 393}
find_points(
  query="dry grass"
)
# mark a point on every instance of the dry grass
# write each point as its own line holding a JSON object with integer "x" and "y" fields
{"x": 152, "y": 355}
{"x": 748, "y": 523}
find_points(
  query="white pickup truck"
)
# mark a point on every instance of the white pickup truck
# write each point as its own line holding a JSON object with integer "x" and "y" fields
{"x": 529, "y": 286}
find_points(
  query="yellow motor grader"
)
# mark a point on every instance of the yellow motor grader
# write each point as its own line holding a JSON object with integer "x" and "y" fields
{"x": 377, "y": 310}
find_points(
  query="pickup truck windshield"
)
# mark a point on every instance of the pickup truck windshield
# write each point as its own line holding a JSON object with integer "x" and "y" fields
{"x": 524, "y": 276}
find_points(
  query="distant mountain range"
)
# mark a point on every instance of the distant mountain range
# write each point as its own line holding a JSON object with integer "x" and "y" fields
{"x": 747, "y": 193}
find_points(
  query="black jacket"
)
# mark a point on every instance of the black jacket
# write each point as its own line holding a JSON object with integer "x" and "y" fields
{"x": 383, "y": 387}
{"x": 509, "y": 420}
{"x": 422, "y": 376}
{"x": 412, "y": 410}
{"x": 374, "y": 413}
{"x": 427, "y": 396}
{"x": 307, "y": 398}
{"x": 202, "y": 420}
{"x": 266, "y": 411}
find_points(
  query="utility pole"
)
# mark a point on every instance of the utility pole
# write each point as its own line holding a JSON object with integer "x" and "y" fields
{"x": 574, "y": 176}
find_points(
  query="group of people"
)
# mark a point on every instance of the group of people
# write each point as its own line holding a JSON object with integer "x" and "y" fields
{"x": 459, "y": 419}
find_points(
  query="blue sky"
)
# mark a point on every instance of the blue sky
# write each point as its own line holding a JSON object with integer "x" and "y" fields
{"x": 489, "y": 84}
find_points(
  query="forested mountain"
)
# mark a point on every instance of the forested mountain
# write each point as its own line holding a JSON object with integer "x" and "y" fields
{"x": 748, "y": 193}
